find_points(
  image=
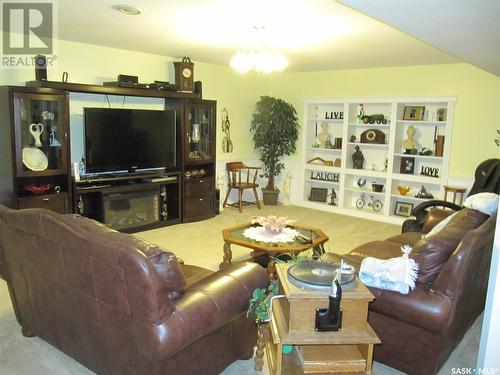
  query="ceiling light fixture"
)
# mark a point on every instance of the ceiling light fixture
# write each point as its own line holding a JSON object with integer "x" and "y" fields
{"x": 261, "y": 59}
{"x": 129, "y": 10}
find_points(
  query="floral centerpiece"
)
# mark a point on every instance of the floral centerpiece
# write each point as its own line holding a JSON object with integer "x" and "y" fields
{"x": 273, "y": 224}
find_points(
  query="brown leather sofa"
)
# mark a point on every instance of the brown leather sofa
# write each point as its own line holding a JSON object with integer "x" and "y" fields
{"x": 420, "y": 330}
{"x": 119, "y": 305}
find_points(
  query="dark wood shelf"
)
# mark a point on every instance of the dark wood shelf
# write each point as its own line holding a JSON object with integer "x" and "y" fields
{"x": 129, "y": 177}
{"x": 111, "y": 90}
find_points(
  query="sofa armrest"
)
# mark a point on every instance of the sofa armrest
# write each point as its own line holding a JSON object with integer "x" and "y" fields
{"x": 205, "y": 307}
{"x": 421, "y": 307}
{"x": 427, "y": 215}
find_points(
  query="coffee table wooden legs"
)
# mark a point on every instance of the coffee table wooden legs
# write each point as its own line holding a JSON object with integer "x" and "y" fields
{"x": 271, "y": 270}
{"x": 259, "y": 352}
{"x": 228, "y": 255}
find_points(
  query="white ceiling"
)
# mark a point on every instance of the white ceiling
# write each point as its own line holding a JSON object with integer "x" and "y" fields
{"x": 468, "y": 29}
{"x": 313, "y": 34}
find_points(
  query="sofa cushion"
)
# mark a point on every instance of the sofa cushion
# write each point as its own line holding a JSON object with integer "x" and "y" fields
{"x": 407, "y": 238}
{"x": 434, "y": 216}
{"x": 377, "y": 249}
{"x": 439, "y": 226}
{"x": 433, "y": 252}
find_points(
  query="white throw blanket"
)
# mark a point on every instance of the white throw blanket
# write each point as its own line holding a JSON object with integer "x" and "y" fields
{"x": 398, "y": 274}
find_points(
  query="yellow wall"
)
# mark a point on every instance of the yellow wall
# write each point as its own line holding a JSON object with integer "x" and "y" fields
{"x": 96, "y": 64}
{"x": 477, "y": 110}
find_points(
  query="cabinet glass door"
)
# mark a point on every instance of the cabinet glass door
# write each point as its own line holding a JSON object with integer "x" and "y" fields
{"x": 40, "y": 127}
{"x": 200, "y": 125}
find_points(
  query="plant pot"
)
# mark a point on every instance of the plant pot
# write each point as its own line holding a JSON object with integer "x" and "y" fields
{"x": 270, "y": 197}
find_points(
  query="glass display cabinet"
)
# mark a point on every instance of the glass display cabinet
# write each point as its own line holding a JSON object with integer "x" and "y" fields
{"x": 40, "y": 134}
{"x": 200, "y": 132}
{"x": 199, "y": 161}
{"x": 35, "y": 149}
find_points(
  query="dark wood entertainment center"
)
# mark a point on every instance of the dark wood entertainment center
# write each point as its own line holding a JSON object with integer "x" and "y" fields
{"x": 35, "y": 130}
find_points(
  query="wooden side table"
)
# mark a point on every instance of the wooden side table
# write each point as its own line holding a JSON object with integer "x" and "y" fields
{"x": 293, "y": 323}
{"x": 455, "y": 191}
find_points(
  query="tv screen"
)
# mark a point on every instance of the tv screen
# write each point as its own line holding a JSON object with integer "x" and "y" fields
{"x": 129, "y": 139}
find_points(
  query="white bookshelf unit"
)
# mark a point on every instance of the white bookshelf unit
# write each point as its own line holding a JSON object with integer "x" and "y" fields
{"x": 331, "y": 133}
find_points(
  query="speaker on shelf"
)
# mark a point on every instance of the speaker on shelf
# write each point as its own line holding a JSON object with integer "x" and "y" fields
{"x": 40, "y": 68}
{"x": 198, "y": 88}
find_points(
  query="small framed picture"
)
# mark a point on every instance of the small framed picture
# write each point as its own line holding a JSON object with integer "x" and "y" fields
{"x": 407, "y": 165}
{"x": 403, "y": 209}
{"x": 415, "y": 113}
{"x": 441, "y": 114}
{"x": 318, "y": 194}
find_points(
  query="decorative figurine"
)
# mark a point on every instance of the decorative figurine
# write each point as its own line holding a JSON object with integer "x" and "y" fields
{"x": 53, "y": 141}
{"x": 286, "y": 189}
{"x": 325, "y": 138}
{"x": 423, "y": 193}
{"x": 333, "y": 198}
{"x": 227, "y": 144}
{"x": 36, "y": 131}
{"x": 353, "y": 138}
{"x": 361, "y": 113}
{"x": 361, "y": 182}
{"x": 221, "y": 177}
{"x": 357, "y": 158}
{"x": 410, "y": 145}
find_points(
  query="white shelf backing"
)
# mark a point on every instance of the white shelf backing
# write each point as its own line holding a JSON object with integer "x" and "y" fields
{"x": 382, "y": 161}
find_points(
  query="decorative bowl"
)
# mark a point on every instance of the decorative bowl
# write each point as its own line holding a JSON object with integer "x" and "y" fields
{"x": 377, "y": 187}
{"x": 37, "y": 188}
{"x": 273, "y": 224}
{"x": 403, "y": 190}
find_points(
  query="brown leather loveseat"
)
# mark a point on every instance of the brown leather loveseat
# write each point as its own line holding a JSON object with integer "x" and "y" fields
{"x": 119, "y": 305}
{"x": 420, "y": 330}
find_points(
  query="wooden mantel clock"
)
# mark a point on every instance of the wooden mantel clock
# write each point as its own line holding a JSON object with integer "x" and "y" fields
{"x": 184, "y": 75}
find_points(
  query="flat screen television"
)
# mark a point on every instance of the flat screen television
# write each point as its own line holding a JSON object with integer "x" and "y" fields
{"x": 118, "y": 140}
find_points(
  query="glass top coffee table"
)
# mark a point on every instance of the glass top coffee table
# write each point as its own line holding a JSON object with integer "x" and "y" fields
{"x": 313, "y": 238}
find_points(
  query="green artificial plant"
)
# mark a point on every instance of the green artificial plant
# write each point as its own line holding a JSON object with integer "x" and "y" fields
{"x": 275, "y": 130}
{"x": 259, "y": 302}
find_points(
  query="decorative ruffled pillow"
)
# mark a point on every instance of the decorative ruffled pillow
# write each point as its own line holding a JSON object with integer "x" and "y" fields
{"x": 487, "y": 203}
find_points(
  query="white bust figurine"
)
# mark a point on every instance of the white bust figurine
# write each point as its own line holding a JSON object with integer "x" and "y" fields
{"x": 325, "y": 138}
{"x": 410, "y": 143}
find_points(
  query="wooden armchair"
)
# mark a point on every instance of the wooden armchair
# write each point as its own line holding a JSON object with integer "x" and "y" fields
{"x": 241, "y": 177}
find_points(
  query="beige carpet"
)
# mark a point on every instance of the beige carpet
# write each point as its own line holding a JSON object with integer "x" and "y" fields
{"x": 201, "y": 244}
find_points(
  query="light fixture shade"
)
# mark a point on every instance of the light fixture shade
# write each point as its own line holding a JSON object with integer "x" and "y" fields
{"x": 262, "y": 61}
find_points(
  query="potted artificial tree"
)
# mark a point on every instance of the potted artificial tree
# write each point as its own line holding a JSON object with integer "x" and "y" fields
{"x": 275, "y": 130}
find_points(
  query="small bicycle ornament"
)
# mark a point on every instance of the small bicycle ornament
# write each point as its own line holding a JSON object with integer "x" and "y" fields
{"x": 363, "y": 201}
